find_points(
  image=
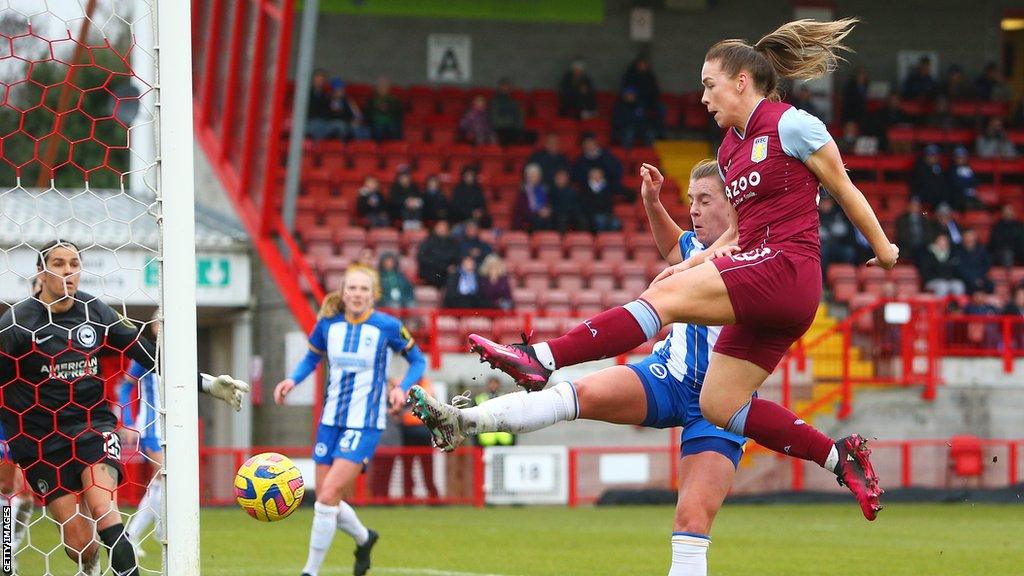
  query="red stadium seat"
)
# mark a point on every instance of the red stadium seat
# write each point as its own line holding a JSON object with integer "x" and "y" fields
{"x": 534, "y": 275}
{"x": 427, "y": 296}
{"x": 525, "y": 300}
{"x": 384, "y": 239}
{"x": 555, "y": 301}
{"x": 568, "y": 276}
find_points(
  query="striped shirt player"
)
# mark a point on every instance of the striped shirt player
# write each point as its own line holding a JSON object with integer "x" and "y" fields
{"x": 355, "y": 401}
{"x": 147, "y": 406}
{"x": 672, "y": 378}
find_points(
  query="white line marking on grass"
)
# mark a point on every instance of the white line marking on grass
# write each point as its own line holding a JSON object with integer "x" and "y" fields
{"x": 431, "y": 572}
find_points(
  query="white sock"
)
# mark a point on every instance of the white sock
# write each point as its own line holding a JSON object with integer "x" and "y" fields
{"x": 21, "y": 512}
{"x": 543, "y": 352}
{"x": 522, "y": 411}
{"x": 320, "y": 537}
{"x": 146, "y": 513}
{"x": 689, "y": 555}
{"x": 349, "y": 523}
{"x": 832, "y": 460}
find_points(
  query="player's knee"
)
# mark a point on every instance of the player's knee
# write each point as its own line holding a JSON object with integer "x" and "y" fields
{"x": 713, "y": 410}
{"x": 691, "y": 517}
{"x": 328, "y": 495}
{"x": 79, "y": 545}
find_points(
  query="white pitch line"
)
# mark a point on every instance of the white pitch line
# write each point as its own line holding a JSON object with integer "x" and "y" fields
{"x": 431, "y": 572}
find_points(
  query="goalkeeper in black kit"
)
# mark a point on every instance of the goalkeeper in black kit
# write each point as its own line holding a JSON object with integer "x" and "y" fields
{"x": 58, "y": 422}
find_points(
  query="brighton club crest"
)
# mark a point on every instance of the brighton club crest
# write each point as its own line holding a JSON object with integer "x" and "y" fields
{"x": 760, "y": 149}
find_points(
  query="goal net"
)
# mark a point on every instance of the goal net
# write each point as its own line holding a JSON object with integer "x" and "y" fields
{"x": 95, "y": 126}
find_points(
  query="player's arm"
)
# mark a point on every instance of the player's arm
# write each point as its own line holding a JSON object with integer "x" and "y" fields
{"x": 123, "y": 334}
{"x": 665, "y": 230}
{"x": 403, "y": 343}
{"x": 827, "y": 165}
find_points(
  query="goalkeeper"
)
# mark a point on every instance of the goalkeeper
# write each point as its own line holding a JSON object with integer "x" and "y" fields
{"x": 60, "y": 428}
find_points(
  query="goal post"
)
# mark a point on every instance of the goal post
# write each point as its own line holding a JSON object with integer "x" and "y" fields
{"x": 96, "y": 149}
{"x": 176, "y": 194}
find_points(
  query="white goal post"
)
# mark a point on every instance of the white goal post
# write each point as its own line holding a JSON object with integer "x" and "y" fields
{"x": 176, "y": 191}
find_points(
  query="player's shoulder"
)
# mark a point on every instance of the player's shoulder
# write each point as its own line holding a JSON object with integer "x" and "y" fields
{"x": 386, "y": 322}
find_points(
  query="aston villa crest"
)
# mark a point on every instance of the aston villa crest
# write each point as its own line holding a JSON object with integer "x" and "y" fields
{"x": 760, "y": 149}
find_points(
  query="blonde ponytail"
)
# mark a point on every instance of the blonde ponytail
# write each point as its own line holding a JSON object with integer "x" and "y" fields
{"x": 802, "y": 49}
{"x": 806, "y": 49}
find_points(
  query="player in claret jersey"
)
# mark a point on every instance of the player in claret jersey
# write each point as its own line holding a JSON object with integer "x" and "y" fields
{"x": 773, "y": 159}
{"x": 59, "y": 425}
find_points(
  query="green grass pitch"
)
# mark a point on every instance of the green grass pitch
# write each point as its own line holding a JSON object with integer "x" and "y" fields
{"x": 956, "y": 539}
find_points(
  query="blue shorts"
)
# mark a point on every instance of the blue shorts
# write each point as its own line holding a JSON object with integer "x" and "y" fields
{"x": 355, "y": 444}
{"x": 672, "y": 402}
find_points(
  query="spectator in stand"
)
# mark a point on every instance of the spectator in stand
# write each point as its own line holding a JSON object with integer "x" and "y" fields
{"x": 990, "y": 85}
{"x": 366, "y": 258}
{"x": 803, "y": 99}
{"x": 855, "y": 97}
{"x": 1007, "y": 240}
{"x": 395, "y": 289}
{"x": 565, "y": 203}
{"x": 468, "y": 202}
{"x": 370, "y": 207}
{"x": 838, "y": 245}
{"x": 470, "y": 243}
{"x": 993, "y": 141}
{"x": 533, "y": 206}
{"x": 597, "y": 198}
{"x": 1015, "y": 307}
{"x": 937, "y": 267}
{"x": 435, "y": 201}
{"x": 384, "y": 111}
{"x": 475, "y": 125}
{"x": 405, "y": 200}
{"x": 847, "y": 143}
{"x": 946, "y": 224}
{"x": 640, "y": 77}
{"x": 928, "y": 182}
{"x": 889, "y": 116}
{"x": 550, "y": 158}
{"x": 576, "y": 96}
{"x": 973, "y": 264}
{"x": 963, "y": 183}
{"x": 437, "y": 255}
{"x": 462, "y": 289}
{"x": 983, "y": 334}
{"x": 630, "y": 121}
{"x": 594, "y": 156}
{"x": 914, "y": 231}
{"x": 920, "y": 83}
{"x": 940, "y": 116}
{"x": 347, "y": 112}
{"x": 320, "y": 122}
{"x": 955, "y": 86}
{"x": 494, "y": 283}
{"x": 507, "y": 116}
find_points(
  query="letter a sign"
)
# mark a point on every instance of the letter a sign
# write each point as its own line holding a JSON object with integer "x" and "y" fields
{"x": 449, "y": 58}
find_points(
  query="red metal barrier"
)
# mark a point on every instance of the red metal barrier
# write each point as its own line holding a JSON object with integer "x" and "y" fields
{"x": 896, "y": 461}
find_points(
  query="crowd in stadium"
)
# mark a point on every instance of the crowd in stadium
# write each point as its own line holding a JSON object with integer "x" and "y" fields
{"x": 561, "y": 191}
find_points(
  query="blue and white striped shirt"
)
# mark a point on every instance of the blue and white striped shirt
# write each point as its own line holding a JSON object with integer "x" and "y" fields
{"x": 687, "y": 349}
{"x": 148, "y": 401}
{"x": 358, "y": 355}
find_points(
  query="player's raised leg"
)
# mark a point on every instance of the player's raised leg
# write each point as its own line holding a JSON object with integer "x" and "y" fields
{"x": 612, "y": 395}
{"x": 697, "y": 296}
{"x": 726, "y": 401}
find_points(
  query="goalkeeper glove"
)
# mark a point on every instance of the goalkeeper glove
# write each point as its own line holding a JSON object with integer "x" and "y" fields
{"x": 226, "y": 388}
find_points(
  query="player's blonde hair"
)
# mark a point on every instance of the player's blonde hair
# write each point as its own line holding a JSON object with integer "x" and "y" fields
{"x": 706, "y": 168}
{"x": 802, "y": 49}
{"x": 333, "y": 304}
